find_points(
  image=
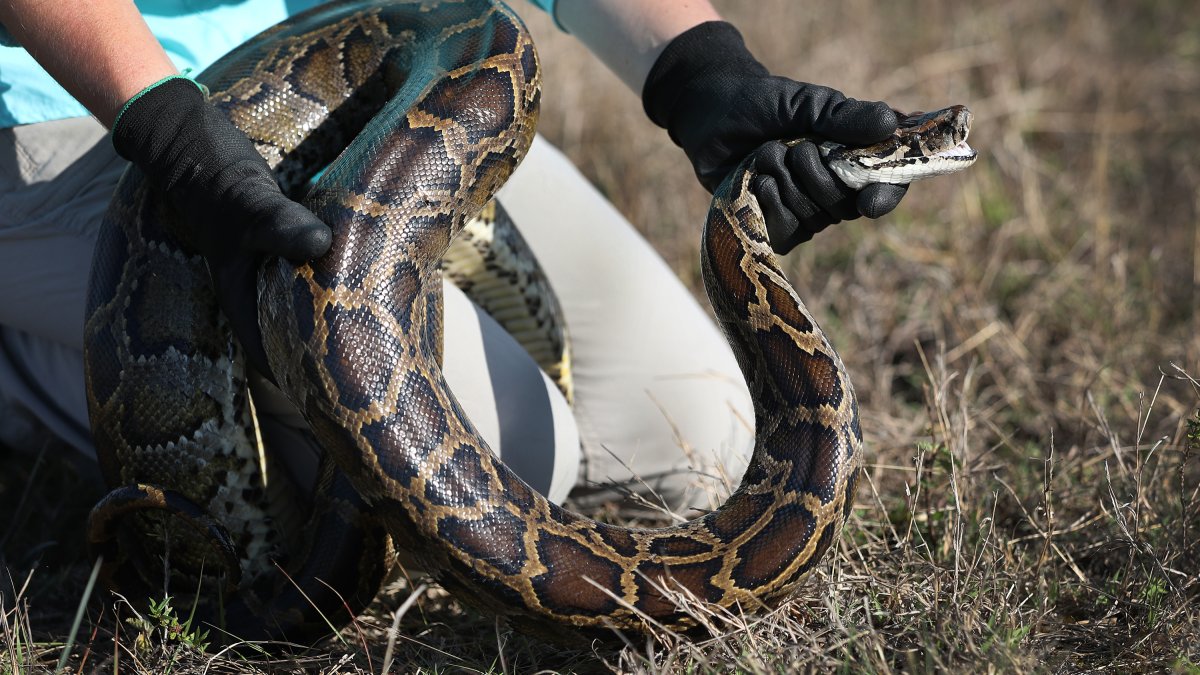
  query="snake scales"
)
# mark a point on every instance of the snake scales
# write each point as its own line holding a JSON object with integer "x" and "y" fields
{"x": 440, "y": 98}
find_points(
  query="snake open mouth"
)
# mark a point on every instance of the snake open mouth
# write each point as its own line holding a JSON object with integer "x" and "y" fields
{"x": 960, "y": 153}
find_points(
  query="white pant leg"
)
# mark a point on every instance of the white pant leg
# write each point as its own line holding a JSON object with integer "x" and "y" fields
{"x": 56, "y": 179}
{"x": 659, "y": 395}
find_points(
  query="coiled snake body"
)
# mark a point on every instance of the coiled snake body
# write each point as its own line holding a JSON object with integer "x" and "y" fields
{"x": 354, "y": 338}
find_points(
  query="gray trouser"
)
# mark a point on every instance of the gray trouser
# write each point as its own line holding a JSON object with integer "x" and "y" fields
{"x": 660, "y": 403}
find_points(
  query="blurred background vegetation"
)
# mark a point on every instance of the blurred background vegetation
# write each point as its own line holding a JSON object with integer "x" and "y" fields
{"x": 1021, "y": 335}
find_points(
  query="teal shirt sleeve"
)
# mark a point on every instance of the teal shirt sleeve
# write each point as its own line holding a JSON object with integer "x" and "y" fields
{"x": 548, "y": 7}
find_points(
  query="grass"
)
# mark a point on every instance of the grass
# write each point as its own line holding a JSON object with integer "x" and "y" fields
{"x": 1021, "y": 338}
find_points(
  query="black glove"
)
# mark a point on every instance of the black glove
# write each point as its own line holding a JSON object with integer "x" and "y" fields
{"x": 224, "y": 191}
{"x": 720, "y": 104}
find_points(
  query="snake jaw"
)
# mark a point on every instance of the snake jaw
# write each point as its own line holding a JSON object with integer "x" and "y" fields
{"x": 961, "y": 152}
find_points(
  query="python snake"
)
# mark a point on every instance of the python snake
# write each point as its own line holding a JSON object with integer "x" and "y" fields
{"x": 441, "y": 98}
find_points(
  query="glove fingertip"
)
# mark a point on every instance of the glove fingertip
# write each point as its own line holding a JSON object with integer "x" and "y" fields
{"x": 880, "y": 120}
{"x": 770, "y": 158}
{"x": 310, "y": 242}
{"x": 293, "y": 232}
{"x": 860, "y": 122}
{"x": 804, "y": 157}
{"x": 879, "y": 199}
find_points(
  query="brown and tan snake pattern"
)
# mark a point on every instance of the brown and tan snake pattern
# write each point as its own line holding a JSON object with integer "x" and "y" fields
{"x": 445, "y": 94}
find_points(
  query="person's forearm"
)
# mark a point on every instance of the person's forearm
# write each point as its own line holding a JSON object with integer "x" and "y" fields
{"x": 101, "y": 51}
{"x": 627, "y": 35}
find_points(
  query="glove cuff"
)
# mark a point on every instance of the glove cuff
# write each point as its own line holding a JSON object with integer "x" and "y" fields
{"x": 710, "y": 59}
{"x": 141, "y": 125}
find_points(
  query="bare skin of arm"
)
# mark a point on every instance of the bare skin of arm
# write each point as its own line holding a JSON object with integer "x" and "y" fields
{"x": 629, "y": 36}
{"x": 101, "y": 51}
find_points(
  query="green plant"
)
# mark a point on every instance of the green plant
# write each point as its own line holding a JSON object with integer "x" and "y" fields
{"x": 162, "y": 624}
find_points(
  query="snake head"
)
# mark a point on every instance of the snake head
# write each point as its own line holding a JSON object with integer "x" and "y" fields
{"x": 924, "y": 144}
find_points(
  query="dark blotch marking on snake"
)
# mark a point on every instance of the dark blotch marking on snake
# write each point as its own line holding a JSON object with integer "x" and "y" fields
{"x": 653, "y": 579}
{"x": 360, "y": 346}
{"x": 461, "y": 480}
{"x": 564, "y": 587}
{"x": 816, "y": 472}
{"x": 777, "y": 545}
{"x": 496, "y": 539}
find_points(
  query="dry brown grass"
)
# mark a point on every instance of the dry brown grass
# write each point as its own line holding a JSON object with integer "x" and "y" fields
{"x": 1018, "y": 334}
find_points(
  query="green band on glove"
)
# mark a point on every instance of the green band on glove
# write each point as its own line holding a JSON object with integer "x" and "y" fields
{"x": 185, "y": 75}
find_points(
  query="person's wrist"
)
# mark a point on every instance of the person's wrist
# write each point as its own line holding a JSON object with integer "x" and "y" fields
{"x": 154, "y": 117}
{"x": 703, "y": 66}
{"x": 156, "y": 86}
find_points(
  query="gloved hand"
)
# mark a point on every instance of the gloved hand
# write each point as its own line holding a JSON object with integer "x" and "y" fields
{"x": 224, "y": 191}
{"x": 720, "y": 104}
